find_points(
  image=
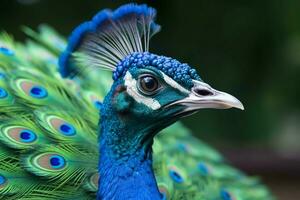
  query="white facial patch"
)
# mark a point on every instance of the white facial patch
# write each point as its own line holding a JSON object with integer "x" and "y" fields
{"x": 132, "y": 90}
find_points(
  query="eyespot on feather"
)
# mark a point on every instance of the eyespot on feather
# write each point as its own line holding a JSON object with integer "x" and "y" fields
{"x": 49, "y": 162}
{"x": 164, "y": 192}
{"x": 32, "y": 89}
{"x": 2, "y": 75}
{"x": 61, "y": 126}
{"x": 97, "y": 104}
{"x": 3, "y": 181}
{"x": 91, "y": 183}
{"x": 204, "y": 169}
{"x": 226, "y": 195}
{"x": 6, "y": 98}
{"x": 18, "y": 136}
{"x": 6, "y": 51}
{"x": 95, "y": 100}
{"x": 3, "y": 93}
{"x": 175, "y": 174}
{"x": 94, "y": 181}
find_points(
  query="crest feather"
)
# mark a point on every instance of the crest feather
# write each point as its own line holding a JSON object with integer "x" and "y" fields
{"x": 109, "y": 37}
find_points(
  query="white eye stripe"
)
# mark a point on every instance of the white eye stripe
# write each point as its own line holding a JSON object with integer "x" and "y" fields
{"x": 132, "y": 90}
{"x": 174, "y": 84}
{"x": 131, "y": 85}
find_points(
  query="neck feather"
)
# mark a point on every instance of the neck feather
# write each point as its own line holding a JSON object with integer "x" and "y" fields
{"x": 125, "y": 165}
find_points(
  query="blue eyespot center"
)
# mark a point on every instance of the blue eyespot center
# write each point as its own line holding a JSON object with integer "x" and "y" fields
{"x": 203, "y": 169}
{"x": 6, "y": 51}
{"x": 182, "y": 147}
{"x": 175, "y": 176}
{"x": 3, "y": 93}
{"x": 163, "y": 196}
{"x": 57, "y": 161}
{"x": 97, "y": 104}
{"x": 2, "y": 75}
{"x": 67, "y": 129}
{"x": 225, "y": 195}
{"x": 2, "y": 180}
{"x": 27, "y": 136}
{"x": 38, "y": 92}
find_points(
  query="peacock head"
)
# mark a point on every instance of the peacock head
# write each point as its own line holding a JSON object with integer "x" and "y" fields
{"x": 155, "y": 91}
{"x": 149, "y": 91}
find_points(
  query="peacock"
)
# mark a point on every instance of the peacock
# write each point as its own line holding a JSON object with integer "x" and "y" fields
{"x": 94, "y": 118}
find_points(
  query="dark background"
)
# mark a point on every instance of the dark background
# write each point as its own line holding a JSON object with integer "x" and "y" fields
{"x": 249, "y": 49}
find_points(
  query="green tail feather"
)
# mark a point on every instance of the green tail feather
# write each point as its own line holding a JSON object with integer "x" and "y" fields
{"x": 21, "y": 134}
{"x": 68, "y": 127}
{"x": 48, "y": 38}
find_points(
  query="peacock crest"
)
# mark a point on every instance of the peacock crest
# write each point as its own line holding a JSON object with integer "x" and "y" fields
{"x": 110, "y": 37}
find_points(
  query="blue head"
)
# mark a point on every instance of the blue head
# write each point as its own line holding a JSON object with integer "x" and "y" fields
{"x": 149, "y": 91}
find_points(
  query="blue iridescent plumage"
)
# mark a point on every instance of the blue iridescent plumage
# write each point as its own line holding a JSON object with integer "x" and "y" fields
{"x": 6, "y": 51}
{"x": 55, "y": 145}
{"x": 3, "y": 93}
{"x": 180, "y": 72}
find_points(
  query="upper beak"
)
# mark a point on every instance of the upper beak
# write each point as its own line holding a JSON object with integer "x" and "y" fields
{"x": 203, "y": 95}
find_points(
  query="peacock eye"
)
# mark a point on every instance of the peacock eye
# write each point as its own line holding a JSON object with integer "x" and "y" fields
{"x": 148, "y": 84}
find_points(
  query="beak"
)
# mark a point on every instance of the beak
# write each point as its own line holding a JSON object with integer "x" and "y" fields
{"x": 203, "y": 95}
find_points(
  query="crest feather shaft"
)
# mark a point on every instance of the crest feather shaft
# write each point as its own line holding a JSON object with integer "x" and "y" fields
{"x": 108, "y": 38}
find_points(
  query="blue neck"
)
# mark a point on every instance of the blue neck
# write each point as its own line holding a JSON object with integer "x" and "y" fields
{"x": 125, "y": 165}
{"x": 127, "y": 178}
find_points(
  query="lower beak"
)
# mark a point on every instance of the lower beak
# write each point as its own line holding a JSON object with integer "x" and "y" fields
{"x": 204, "y": 96}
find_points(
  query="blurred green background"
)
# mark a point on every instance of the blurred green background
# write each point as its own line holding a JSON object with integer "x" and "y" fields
{"x": 249, "y": 49}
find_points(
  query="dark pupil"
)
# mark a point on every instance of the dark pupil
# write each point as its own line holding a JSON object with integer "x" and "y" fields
{"x": 25, "y": 135}
{"x": 36, "y": 90}
{"x": 176, "y": 175}
{"x": 55, "y": 161}
{"x": 149, "y": 84}
{"x": 65, "y": 128}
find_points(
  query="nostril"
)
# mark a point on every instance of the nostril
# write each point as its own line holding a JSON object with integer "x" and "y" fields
{"x": 203, "y": 92}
